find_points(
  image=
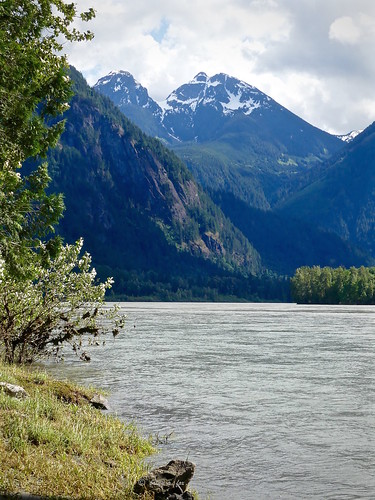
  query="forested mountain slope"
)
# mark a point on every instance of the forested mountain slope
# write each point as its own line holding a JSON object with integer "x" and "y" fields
{"x": 342, "y": 198}
{"x": 286, "y": 242}
{"x": 139, "y": 209}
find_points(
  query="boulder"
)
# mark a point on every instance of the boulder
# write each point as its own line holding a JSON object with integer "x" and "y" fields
{"x": 15, "y": 391}
{"x": 100, "y": 402}
{"x": 168, "y": 482}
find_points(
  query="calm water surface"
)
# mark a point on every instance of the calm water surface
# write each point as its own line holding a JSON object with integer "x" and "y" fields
{"x": 271, "y": 401}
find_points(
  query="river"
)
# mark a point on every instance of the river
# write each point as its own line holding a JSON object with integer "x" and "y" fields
{"x": 270, "y": 401}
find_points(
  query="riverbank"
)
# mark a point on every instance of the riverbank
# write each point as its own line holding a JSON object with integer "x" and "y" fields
{"x": 54, "y": 443}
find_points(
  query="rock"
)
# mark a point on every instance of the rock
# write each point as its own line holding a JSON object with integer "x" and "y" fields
{"x": 168, "y": 482}
{"x": 15, "y": 391}
{"x": 186, "y": 495}
{"x": 100, "y": 402}
{"x": 85, "y": 357}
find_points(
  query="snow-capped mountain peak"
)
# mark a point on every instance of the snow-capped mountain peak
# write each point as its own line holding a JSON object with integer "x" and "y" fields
{"x": 121, "y": 78}
{"x": 200, "y": 77}
{"x": 192, "y": 112}
{"x": 121, "y": 72}
{"x": 124, "y": 90}
{"x": 222, "y": 92}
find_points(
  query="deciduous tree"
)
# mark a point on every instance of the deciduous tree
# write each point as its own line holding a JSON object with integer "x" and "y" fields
{"x": 48, "y": 293}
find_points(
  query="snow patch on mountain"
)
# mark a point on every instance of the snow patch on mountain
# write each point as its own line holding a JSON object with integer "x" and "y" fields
{"x": 104, "y": 81}
{"x": 165, "y": 106}
{"x": 121, "y": 72}
{"x": 349, "y": 137}
{"x": 235, "y": 103}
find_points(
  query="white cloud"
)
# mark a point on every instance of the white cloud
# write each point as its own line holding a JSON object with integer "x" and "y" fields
{"x": 345, "y": 30}
{"x": 313, "y": 57}
{"x": 353, "y": 30}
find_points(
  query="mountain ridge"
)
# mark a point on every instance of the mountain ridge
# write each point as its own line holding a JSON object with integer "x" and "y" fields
{"x": 242, "y": 188}
{"x": 350, "y": 136}
{"x": 232, "y": 136}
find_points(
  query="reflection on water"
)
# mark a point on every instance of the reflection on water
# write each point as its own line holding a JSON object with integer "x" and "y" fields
{"x": 269, "y": 400}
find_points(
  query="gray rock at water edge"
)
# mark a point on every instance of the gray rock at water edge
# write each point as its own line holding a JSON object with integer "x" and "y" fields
{"x": 168, "y": 482}
{"x": 21, "y": 495}
{"x": 15, "y": 391}
{"x": 100, "y": 402}
{"x": 186, "y": 495}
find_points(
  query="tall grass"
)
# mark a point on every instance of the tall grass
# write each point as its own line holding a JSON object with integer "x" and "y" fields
{"x": 54, "y": 443}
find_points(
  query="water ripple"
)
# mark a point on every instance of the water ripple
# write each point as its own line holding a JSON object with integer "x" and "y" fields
{"x": 272, "y": 401}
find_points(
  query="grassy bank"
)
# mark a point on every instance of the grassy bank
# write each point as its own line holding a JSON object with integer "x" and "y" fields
{"x": 55, "y": 444}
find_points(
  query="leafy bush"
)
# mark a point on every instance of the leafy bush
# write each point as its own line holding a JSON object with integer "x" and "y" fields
{"x": 48, "y": 293}
{"x": 57, "y": 303}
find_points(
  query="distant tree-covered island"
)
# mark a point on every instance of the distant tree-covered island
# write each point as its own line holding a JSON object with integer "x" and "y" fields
{"x": 325, "y": 285}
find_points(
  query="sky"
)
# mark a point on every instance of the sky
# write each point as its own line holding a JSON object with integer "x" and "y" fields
{"x": 315, "y": 57}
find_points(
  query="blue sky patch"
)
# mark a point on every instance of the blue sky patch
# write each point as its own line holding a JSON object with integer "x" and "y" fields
{"x": 159, "y": 33}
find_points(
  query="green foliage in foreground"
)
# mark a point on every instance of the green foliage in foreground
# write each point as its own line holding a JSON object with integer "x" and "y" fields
{"x": 44, "y": 285}
{"x": 34, "y": 88}
{"x": 316, "y": 285}
{"x": 54, "y": 443}
{"x": 59, "y": 305}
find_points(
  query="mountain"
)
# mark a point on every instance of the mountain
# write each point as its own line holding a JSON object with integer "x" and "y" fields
{"x": 342, "y": 198}
{"x": 144, "y": 218}
{"x": 198, "y": 110}
{"x": 232, "y": 136}
{"x": 283, "y": 242}
{"x": 133, "y": 100}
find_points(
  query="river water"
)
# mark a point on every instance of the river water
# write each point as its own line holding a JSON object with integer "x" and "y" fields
{"x": 270, "y": 401}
